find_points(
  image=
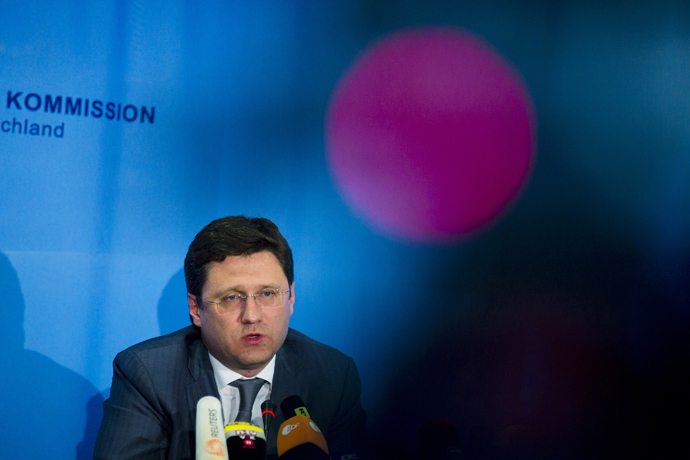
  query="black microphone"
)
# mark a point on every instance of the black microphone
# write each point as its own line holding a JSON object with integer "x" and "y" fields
{"x": 438, "y": 439}
{"x": 293, "y": 405}
{"x": 268, "y": 413}
{"x": 245, "y": 441}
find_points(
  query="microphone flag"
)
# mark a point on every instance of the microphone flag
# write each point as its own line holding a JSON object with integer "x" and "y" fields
{"x": 245, "y": 441}
{"x": 210, "y": 440}
{"x": 300, "y": 438}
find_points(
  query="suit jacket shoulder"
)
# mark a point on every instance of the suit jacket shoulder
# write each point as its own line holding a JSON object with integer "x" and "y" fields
{"x": 151, "y": 410}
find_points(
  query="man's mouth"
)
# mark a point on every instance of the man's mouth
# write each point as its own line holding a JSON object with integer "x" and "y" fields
{"x": 253, "y": 339}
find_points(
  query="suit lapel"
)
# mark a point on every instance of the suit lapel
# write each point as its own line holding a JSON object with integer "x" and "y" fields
{"x": 203, "y": 383}
{"x": 285, "y": 383}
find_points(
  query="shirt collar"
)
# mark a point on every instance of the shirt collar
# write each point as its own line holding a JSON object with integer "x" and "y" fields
{"x": 225, "y": 375}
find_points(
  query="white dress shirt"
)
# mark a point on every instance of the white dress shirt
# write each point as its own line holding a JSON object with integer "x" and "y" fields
{"x": 230, "y": 395}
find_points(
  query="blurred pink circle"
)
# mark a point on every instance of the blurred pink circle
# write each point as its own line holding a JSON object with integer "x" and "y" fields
{"x": 429, "y": 134}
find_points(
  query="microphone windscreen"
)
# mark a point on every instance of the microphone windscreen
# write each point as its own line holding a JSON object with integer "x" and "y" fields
{"x": 293, "y": 405}
{"x": 300, "y": 438}
{"x": 245, "y": 441}
{"x": 210, "y": 439}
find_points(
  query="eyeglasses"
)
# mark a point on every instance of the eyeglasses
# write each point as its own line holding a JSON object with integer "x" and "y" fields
{"x": 234, "y": 300}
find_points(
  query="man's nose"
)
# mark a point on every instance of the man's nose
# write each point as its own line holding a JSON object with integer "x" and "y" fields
{"x": 251, "y": 310}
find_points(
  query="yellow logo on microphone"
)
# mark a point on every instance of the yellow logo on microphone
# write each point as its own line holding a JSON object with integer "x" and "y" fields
{"x": 302, "y": 410}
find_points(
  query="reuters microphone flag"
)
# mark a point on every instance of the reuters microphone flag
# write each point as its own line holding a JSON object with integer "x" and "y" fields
{"x": 210, "y": 436}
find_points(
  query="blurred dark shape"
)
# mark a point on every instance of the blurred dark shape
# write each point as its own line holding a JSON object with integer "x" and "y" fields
{"x": 394, "y": 453}
{"x": 94, "y": 415}
{"x": 173, "y": 310}
{"x": 438, "y": 439}
{"x": 37, "y": 391}
{"x": 12, "y": 326}
{"x": 539, "y": 362}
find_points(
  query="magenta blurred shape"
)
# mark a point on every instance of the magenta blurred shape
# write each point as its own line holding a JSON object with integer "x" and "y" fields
{"x": 430, "y": 134}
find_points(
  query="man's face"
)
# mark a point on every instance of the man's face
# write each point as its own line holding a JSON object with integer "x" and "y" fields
{"x": 244, "y": 340}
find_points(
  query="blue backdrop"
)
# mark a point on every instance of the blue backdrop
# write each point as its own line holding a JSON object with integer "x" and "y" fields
{"x": 126, "y": 126}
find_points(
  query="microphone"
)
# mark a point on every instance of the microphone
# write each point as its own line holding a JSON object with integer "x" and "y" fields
{"x": 298, "y": 437}
{"x": 438, "y": 439}
{"x": 210, "y": 442}
{"x": 293, "y": 405}
{"x": 268, "y": 413}
{"x": 245, "y": 441}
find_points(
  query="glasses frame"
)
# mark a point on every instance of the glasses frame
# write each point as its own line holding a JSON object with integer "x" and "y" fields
{"x": 243, "y": 298}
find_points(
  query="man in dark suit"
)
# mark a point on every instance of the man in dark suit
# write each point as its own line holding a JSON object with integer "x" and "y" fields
{"x": 240, "y": 283}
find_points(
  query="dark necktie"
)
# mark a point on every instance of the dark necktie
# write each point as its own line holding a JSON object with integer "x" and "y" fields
{"x": 248, "y": 391}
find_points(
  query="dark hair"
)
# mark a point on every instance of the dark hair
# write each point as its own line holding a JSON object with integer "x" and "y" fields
{"x": 234, "y": 236}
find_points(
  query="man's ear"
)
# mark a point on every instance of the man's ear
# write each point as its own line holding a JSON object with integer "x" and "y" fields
{"x": 194, "y": 309}
{"x": 292, "y": 297}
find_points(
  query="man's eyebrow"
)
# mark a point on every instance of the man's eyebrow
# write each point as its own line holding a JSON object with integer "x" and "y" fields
{"x": 226, "y": 290}
{"x": 271, "y": 286}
